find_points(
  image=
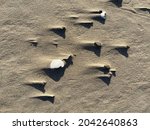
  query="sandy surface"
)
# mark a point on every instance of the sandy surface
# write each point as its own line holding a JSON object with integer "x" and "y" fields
{"x": 82, "y": 86}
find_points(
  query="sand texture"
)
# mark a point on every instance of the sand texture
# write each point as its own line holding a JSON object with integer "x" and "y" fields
{"x": 106, "y": 61}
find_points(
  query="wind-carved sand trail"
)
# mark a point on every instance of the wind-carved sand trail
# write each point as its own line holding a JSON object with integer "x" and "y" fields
{"x": 75, "y": 56}
{"x": 57, "y": 66}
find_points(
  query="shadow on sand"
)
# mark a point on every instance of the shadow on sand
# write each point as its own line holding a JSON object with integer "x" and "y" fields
{"x": 106, "y": 80}
{"x": 38, "y": 86}
{"x": 118, "y": 3}
{"x": 61, "y": 32}
{"x": 99, "y": 19}
{"x": 123, "y": 51}
{"x": 86, "y": 25}
{"x": 95, "y": 49}
{"x": 46, "y": 98}
{"x": 103, "y": 69}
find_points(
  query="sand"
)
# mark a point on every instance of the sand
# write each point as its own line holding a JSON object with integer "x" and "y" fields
{"x": 34, "y": 32}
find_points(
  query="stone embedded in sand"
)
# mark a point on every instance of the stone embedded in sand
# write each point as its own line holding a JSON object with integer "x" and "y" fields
{"x": 103, "y": 14}
{"x": 112, "y": 70}
{"x": 122, "y": 46}
{"x": 57, "y": 63}
{"x": 107, "y": 66}
{"x": 33, "y": 41}
{"x": 97, "y": 44}
{"x": 58, "y": 28}
{"x": 103, "y": 66}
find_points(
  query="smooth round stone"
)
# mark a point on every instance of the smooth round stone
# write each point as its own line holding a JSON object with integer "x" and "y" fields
{"x": 57, "y": 63}
{"x": 103, "y": 15}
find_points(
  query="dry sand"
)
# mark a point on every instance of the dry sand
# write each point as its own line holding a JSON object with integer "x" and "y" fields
{"x": 32, "y": 35}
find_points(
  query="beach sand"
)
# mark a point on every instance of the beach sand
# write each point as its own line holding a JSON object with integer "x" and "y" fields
{"x": 110, "y": 76}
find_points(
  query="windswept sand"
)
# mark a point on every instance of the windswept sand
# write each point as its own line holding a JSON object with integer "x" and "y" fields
{"x": 107, "y": 77}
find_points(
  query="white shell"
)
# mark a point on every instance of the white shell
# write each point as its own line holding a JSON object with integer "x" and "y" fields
{"x": 103, "y": 14}
{"x": 57, "y": 63}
